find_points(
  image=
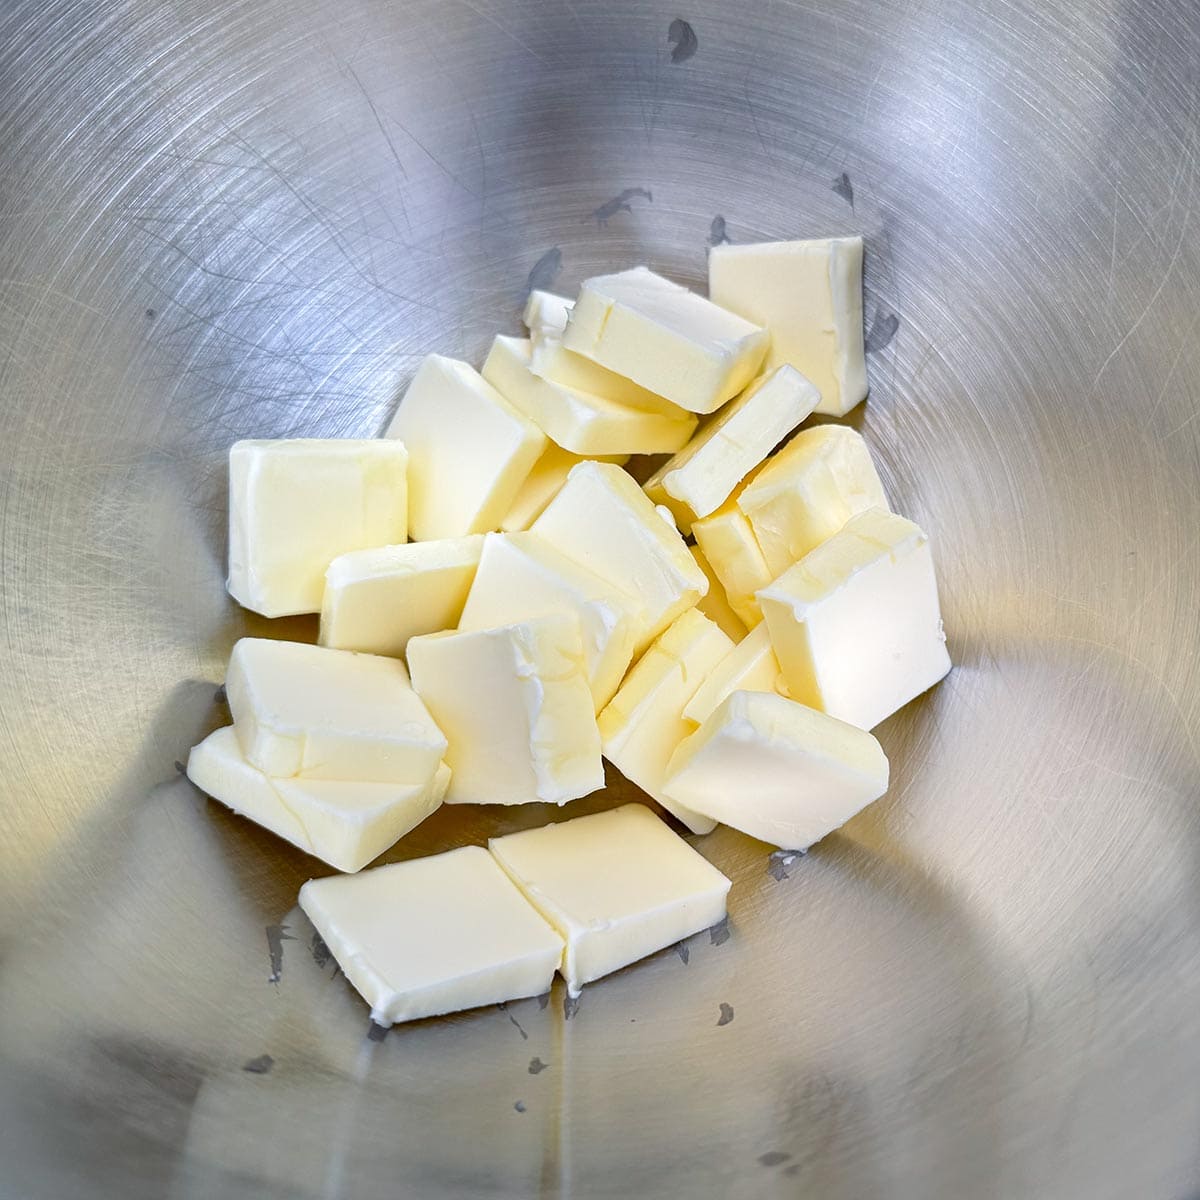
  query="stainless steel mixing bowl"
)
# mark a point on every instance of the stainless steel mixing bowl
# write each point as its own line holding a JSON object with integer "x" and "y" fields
{"x": 225, "y": 219}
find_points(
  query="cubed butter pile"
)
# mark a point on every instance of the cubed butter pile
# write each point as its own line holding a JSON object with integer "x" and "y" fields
{"x": 725, "y": 635}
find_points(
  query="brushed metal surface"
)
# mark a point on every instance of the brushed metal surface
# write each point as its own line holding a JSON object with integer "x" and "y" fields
{"x": 224, "y": 219}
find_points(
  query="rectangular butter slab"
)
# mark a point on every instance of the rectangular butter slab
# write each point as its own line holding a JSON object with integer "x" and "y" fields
{"x": 616, "y": 885}
{"x": 344, "y": 823}
{"x": 603, "y": 520}
{"x": 808, "y": 294}
{"x": 516, "y": 709}
{"x": 297, "y": 503}
{"x": 776, "y": 770}
{"x": 705, "y": 473}
{"x": 855, "y": 623}
{"x": 669, "y": 340}
{"x": 714, "y": 604}
{"x": 330, "y": 714}
{"x": 521, "y": 575}
{"x": 469, "y": 450}
{"x": 433, "y": 935}
{"x": 583, "y": 422}
{"x": 728, "y": 543}
{"x": 375, "y": 600}
{"x": 542, "y": 483}
{"x": 644, "y": 722}
{"x": 808, "y": 491}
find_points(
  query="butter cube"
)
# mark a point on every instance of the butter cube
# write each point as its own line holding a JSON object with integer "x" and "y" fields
{"x": 808, "y": 491}
{"x": 433, "y": 935}
{"x": 616, "y": 886}
{"x": 516, "y": 708}
{"x": 546, "y": 318}
{"x": 603, "y": 520}
{"x": 808, "y": 294}
{"x": 344, "y": 823}
{"x": 751, "y": 666}
{"x": 296, "y": 504}
{"x": 782, "y": 773}
{"x": 669, "y": 340}
{"x": 714, "y": 604}
{"x": 704, "y": 474}
{"x": 579, "y": 421}
{"x": 375, "y": 600}
{"x": 470, "y": 450}
{"x": 542, "y": 483}
{"x": 644, "y": 723}
{"x": 729, "y": 544}
{"x": 855, "y": 623}
{"x": 329, "y": 714}
{"x": 520, "y": 576}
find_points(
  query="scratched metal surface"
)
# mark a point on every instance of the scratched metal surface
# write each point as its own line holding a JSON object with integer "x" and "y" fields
{"x": 221, "y": 220}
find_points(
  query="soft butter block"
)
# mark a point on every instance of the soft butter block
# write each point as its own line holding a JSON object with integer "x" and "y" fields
{"x": 375, "y": 600}
{"x": 808, "y": 294}
{"x": 665, "y": 338}
{"x": 808, "y": 491}
{"x": 469, "y": 450}
{"x": 433, "y": 935}
{"x": 330, "y": 714}
{"x": 516, "y": 709}
{"x": 604, "y": 521}
{"x": 643, "y": 724}
{"x": 779, "y": 771}
{"x": 583, "y": 422}
{"x": 542, "y": 483}
{"x": 546, "y": 318}
{"x": 728, "y": 543}
{"x": 616, "y": 886}
{"x": 855, "y": 623}
{"x": 344, "y": 823}
{"x": 714, "y": 604}
{"x": 704, "y": 474}
{"x": 750, "y": 666}
{"x": 296, "y": 504}
{"x": 521, "y": 575}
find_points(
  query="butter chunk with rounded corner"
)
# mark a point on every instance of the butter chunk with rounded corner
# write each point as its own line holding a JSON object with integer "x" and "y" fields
{"x": 808, "y": 294}
{"x": 375, "y": 600}
{"x": 433, "y": 935}
{"x": 616, "y": 885}
{"x": 644, "y": 722}
{"x": 295, "y": 504}
{"x": 330, "y": 714}
{"x": 808, "y": 491}
{"x": 671, "y": 341}
{"x": 705, "y": 473}
{"x": 776, "y": 770}
{"x": 585, "y": 423}
{"x": 603, "y": 520}
{"x": 469, "y": 450}
{"x": 521, "y": 575}
{"x": 856, "y": 624}
{"x": 345, "y": 823}
{"x": 516, "y": 709}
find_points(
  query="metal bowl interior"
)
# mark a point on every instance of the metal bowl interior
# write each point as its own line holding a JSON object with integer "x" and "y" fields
{"x": 221, "y": 220}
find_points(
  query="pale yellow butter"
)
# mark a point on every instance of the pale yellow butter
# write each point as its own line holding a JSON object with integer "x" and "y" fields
{"x": 669, "y": 340}
{"x": 433, "y": 935}
{"x": 516, "y": 709}
{"x": 644, "y": 722}
{"x": 375, "y": 600}
{"x": 296, "y": 504}
{"x": 751, "y": 666}
{"x": 345, "y": 823}
{"x": 782, "y": 773}
{"x": 469, "y": 450}
{"x": 855, "y": 623}
{"x": 616, "y": 886}
{"x": 808, "y": 294}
